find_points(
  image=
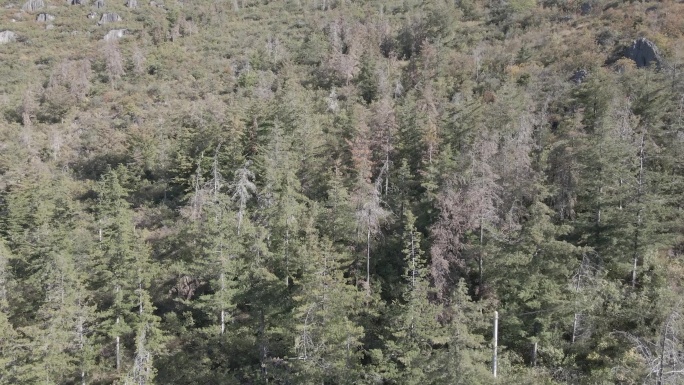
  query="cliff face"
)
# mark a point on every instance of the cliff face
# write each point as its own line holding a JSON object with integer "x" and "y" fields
{"x": 644, "y": 53}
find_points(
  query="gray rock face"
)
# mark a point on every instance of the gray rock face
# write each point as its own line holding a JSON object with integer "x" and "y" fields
{"x": 77, "y": 2}
{"x": 114, "y": 34}
{"x": 33, "y": 5}
{"x": 109, "y": 18}
{"x": 132, "y": 3}
{"x": 579, "y": 76}
{"x": 92, "y": 15}
{"x": 7, "y": 37}
{"x": 99, "y": 4}
{"x": 644, "y": 53}
{"x": 44, "y": 17}
{"x": 585, "y": 8}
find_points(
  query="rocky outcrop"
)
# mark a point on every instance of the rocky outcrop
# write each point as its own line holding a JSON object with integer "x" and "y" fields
{"x": 644, "y": 53}
{"x": 132, "y": 3}
{"x": 7, "y": 37}
{"x": 585, "y": 8}
{"x": 579, "y": 76}
{"x": 99, "y": 4}
{"x": 114, "y": 34}
{"x": 33, "y": 5}
{"x": 92, "y": 15}
{"x": 44, "y": 18}
{"x": 109, "y": 18}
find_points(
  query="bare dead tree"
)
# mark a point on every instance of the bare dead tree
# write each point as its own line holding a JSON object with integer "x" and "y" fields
{"x": 113, "y": 60}
{"x": 663, "y": 357}
{"x": 583, "y": 280}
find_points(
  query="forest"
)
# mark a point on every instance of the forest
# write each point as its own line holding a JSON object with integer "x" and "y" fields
{"x": 339, "y": 192}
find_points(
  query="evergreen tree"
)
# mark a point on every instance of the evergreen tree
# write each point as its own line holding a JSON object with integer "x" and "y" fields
{"x": 9, "y": 338}
{"x": 416, "y": 332}
{"x": 123, "y": 278}
{"x": 329, "y": 339}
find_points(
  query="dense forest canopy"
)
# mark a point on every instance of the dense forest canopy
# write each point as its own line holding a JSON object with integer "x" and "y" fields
{"x": 341, "y": 192}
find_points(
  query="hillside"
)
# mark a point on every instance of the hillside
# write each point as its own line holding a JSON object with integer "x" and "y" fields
{"x": 341, "y": 192}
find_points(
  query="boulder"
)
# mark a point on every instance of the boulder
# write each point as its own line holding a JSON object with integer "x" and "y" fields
{"x": 644, "y": 53}
{"x": 7, "y": 37}
{"x": 109, "y": 18}
{"x": 114, "y": 34}
{"x": 585, "y": 9}
{"x": 44, "y": 17}
{"x": 33, "y": 5}
{"x": 92, "y": 15}
{"x": 579, "y": 76}
{"x": 132, "y": 3}
{"x": 99, "y": 4}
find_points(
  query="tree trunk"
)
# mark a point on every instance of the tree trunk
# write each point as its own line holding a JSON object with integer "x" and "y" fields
{"x": 368, "y": 234}
{"x": 640, "y": 183}
{"x": 479, "y": 259}
{"x": 118, "y": 341}
{"x": 496, "y": 342}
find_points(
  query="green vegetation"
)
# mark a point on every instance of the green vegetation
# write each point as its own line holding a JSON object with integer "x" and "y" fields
{"x": 341, "y": 192}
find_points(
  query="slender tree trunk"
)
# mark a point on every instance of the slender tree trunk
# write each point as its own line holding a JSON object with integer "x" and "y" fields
{"x": 287, "y": 256}
{"x": 496, "y": 342}
{"x": 81, "y": 339}
{"x": 118, "y": 340}
{"x": 140, "y": 298}
{"x": 662, "y": 356}
{"x": 575, "y": 321}
{"x": 480, "y": 259}
{"x": 640, "y": 183}
{"x": 387, "y": 172}
{"x": 223, "y": 311}
{"x": 262, "y": 343}
{"x": 575, "y": 324}
{"x": 368, "y": 234}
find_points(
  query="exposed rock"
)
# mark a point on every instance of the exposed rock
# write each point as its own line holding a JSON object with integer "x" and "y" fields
{"x": 114, "y": 34}
{"x": 644, "y": 53}
{"x": 185, "y": 287}
{"x": 585, "y": 9}
{"x": 99, "y": 4}
{"x": 579, "y": 76}
{"x": 132, "y": 3}
{"x": 7, "y": 37}
{"x": 33, "y": 5}
{"x": 44, "y": 17}
{"x": 92, "y": 15}
{"x": 109, "y": 18}
{"x": 77, "y": 2}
